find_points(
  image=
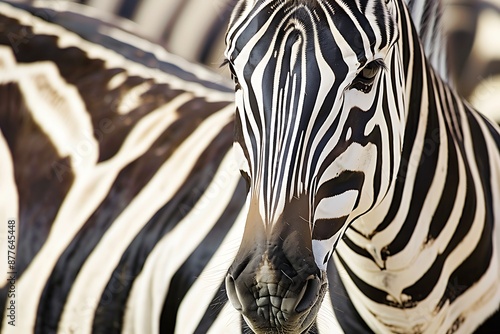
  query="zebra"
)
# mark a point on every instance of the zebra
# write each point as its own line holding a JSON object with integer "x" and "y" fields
{"x": 117, "y": 175}
{"x": 104, "y": 245}
{"x": 166, "y": 23}
{"x": 169, "y": 24}
{"x": 354, "y": 149}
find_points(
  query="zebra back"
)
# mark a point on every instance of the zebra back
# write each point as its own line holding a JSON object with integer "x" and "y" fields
{"x": 117, "y": 175}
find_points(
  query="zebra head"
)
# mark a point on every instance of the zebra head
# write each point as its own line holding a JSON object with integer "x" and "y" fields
{"x": 318, "y": 131}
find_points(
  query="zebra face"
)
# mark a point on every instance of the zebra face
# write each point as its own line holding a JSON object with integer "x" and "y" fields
{"x": 312, "y": 81}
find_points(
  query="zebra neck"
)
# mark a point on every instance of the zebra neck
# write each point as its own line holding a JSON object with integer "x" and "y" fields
{"x": 417, "y": 130}
{"x": 429, "y": 246}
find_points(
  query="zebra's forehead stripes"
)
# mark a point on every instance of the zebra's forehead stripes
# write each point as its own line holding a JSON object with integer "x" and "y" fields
{"x": 365, "y": 16}
{"x": 293, "y": 61}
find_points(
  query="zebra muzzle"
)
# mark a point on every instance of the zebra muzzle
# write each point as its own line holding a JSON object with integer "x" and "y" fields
{"x": 270, "y": 306}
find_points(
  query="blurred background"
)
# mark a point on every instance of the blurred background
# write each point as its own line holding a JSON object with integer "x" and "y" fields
{"x": 195, "y": 29}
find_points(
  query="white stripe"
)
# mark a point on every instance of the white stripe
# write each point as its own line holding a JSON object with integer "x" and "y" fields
{"x": 327, "y": 322}
{"x": 340, "y": 205}
{"x": 7, "y": 59}
{"x": 153, "y": 15}
{"x": 192, "y": 25}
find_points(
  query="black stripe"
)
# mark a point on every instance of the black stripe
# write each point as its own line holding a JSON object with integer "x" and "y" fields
{"x": 345, "y": 312}
{"x": 362, "y": 7}
{"x": 324, "y": 229}
{"x": 456, "y": 105}
{"x": 347, "y": 180}
{"x": 128, "y": 8}
{"x": 253, "y": 141}
{"x": 390, "y": 117}
{"x": 375, "y": 294}
{"x": 450, "y": 110}
{"x": 375, "y": 137}
{"x": 380, "y": 9}
{"x": 446, "y": 204}
{"x": 407, "y": 32}
{"x": 354, "y": 247}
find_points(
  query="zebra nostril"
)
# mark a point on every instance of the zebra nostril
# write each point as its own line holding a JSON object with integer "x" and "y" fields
{"x": 232, "y": 294}
{"x": 309, "y": 294}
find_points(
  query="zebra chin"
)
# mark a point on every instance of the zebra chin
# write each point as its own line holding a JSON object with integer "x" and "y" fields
{"x": 274, "y": 281}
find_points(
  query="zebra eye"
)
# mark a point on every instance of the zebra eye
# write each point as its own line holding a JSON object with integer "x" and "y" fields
{"x": 370, "y": 71}
{"x": 364, "y": 80}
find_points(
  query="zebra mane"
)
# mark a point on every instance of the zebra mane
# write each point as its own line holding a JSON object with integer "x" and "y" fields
{"x": 427, "y": 18}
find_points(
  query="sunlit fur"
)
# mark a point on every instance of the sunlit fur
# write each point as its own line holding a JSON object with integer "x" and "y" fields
{"x": 399, "y": 175}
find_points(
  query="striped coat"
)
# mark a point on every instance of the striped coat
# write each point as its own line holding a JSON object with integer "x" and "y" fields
{"x": 117, "y": 176}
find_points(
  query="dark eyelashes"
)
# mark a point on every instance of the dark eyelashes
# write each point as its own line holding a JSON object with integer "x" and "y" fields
{"x": 380, "y": 64}
{"x": 227, "y": 62}
{"x": 224, "y": 63}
